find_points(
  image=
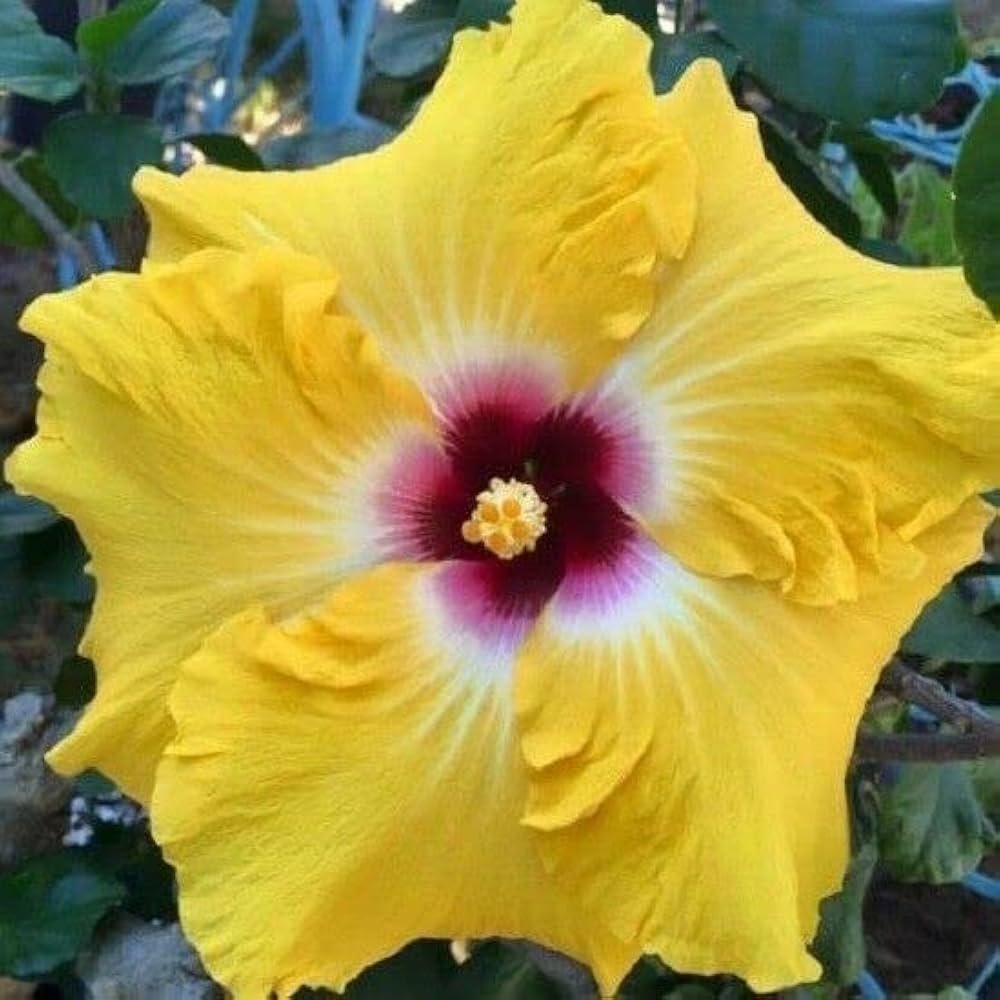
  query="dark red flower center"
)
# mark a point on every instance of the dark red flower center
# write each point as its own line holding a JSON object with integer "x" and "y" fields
{"x": 567, "y": 456}
{"x": 583, "y": 458}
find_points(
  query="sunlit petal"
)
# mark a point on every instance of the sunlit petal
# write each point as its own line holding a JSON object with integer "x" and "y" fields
{"x": 213, "y": 430}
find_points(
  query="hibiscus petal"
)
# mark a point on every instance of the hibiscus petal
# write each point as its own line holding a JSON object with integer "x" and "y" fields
{"x": 688, "y": 750}
{"x": 522, "y": 214}
{"x": 363, "y": 787}
{"x": 811, "y": 410}
{"x": 215, "y": 429}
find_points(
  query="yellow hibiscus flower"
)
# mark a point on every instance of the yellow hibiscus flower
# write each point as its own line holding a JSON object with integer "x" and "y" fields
{"x": 500, "y": 533}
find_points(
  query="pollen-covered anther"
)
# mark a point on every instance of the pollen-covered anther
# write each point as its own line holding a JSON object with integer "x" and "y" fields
{"x": 508, "y": 518}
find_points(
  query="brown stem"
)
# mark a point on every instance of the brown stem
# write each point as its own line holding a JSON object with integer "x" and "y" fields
{"x": 978, "y": 735}
{"x": 26, "y": 196}
{"x": 930, "y": 695}
{"x": 929, "y": 747}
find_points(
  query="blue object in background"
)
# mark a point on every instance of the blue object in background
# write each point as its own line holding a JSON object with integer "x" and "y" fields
{"x": 869, "y": 988}
{"x": 940, "y": 146}
{"x": 101, "y": 248}
{"x": 335, "y": 39}
{"x": 983, "y": 885}
{"x": 325, "y": 53}
{"x": 66, "y": 272}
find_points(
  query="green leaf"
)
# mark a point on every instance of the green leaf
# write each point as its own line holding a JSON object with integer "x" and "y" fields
{"x": 985, "y": 775}
{"x": 840, "y": 941}
{"x": 798, "y": 171}
{"x": 49, "y": 907}
{"x": 226, "y": 150}
{"x": 22, "y": 515}
{"x": 479, "y": 13}
{"x": 129, "y": 854}
{"x": 928, "y": 230}
{"x": 94, "y": 156}
{"x": 983, "y": 592}
{"x": 75, "y": 683}
{"x": 54, "y": 561}
{"x": 640, "y": 12}
{"x": 414, "y": 39}
{"x": 17, "y": 227}
{"x": 977, "y": 204}
{"x": 497, "y": 970}
{"x": 33, "y": 63}
{"x": 931, "y": 825}
{"x": 97, "y": 36}
{"x": 91, "y": 784}
{"x": 884, "y": 250}
{"x": 13, "y": 585}
{"x": 421, "y": 971}
{"x": 813, "y": 991}
{"x": 846, "y": 59}
{"x": 672, "y": 54}
{"x": 317, "y": 146}
{"x": 648, "y": 980}
{"x": 175, "y": 38}
{"x": 948, "y": 629}
{"x": 877, "y": 175}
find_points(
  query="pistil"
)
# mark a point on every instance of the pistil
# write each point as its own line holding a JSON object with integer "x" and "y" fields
{"x": 508, "y": 518}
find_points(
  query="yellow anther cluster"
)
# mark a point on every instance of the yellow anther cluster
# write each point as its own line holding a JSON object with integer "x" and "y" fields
{"x": 508, "y": 518}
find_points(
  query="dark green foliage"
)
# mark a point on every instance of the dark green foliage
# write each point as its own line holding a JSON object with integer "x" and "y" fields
{"x": 886, "y": 251}
{"x": 308, "y": 149}
{"x": 932, "y": 827}
{"x": 174, "y": 38}
{"x": 872, "y": 157}
{"x": 927, "y": 231}
{"x": 426, "y": 970}
{"x": 49, "y": 907}
{"x": 421, "y": 970}
{"x": 839, "y": 944}
{"x": 797, "y": 171}
{"x": 226, "y": 150}
{"x": 128, "y": 854}
{"x": 876, "y": 173}
{"x": 14, "y": 587}
{"x": 32, "y": 62}
{"x": 850, "y": 60}
{"x": 93, "y": 158}
{"x": 414, "y": 39}
{"x": 501, "y": 971}
{"x": 17, "y": 227}
{"x": 650, "y": 979}
{"x": 949, "y": 629}
{"x": 98, "y": 37}
{"x": 840, "y": 941}
{"x": 640, "y": 12}
{"x": 672, "y": 54}
{"x": 478, "y": 13}
{"x": 54, "y": 560}
{"x": 977, "y": 204}
{"x": 93, "y": 784}
{"x": 21, "y": 515}
{"x": 75, "y": 683}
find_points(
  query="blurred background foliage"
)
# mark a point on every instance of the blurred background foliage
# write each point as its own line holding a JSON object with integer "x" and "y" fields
{"x": 883, "y": 118}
